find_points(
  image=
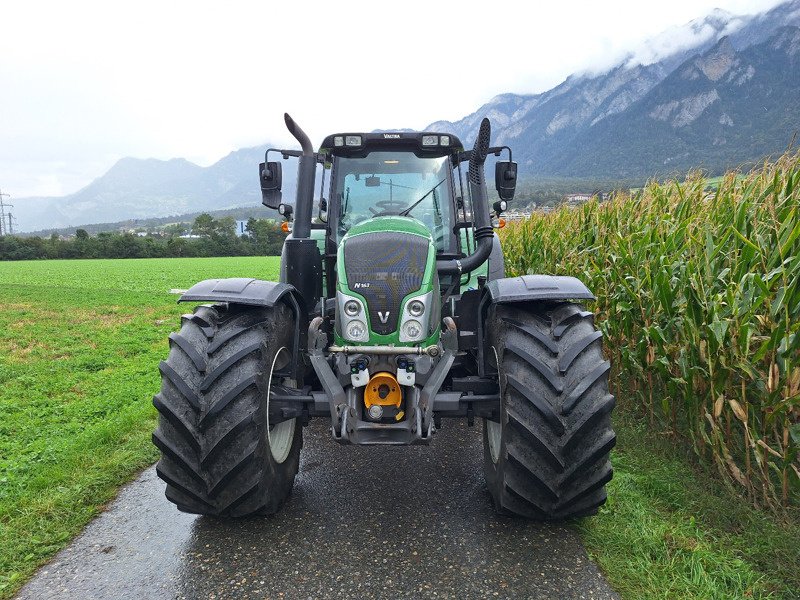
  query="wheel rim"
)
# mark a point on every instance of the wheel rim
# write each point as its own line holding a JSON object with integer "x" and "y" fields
{"x": 281, "y": 436}
{"x": 494, "y": 430}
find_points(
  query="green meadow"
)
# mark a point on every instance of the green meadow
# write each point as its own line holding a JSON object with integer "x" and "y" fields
{"x": 80, "y": 342}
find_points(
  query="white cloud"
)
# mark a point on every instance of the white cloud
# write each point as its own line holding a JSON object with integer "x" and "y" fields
{"x": 86, "y": 83}
{"x": 686, "y": 36}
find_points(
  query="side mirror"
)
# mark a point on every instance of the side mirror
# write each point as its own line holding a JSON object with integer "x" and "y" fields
{"x": 270, "y": 175}
{"x": 285, "y": 210}
{"x": 505, "y": 179}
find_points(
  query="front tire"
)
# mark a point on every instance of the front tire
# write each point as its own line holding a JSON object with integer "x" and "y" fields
{"x": 548, "y": 457}
{"x": 220, "y": 455}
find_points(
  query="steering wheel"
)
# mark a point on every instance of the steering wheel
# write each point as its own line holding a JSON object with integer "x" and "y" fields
{"x": 390, "y": 207}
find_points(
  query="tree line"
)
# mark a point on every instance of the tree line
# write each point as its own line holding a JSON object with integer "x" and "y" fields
{"x": 214, "y": 237}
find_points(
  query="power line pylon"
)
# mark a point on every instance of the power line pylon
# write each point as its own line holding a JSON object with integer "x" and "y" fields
{"x": 5, "y": 230}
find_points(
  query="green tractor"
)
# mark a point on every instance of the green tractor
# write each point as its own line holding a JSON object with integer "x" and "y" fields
{"x": 392, "y": 313}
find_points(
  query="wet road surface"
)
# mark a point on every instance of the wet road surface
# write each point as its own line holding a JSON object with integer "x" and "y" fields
{"x": 407, "y": 522}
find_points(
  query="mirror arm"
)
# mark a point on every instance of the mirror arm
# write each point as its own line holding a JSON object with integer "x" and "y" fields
{"x": 496, "y": 150}
{"x": 284, "y": 153}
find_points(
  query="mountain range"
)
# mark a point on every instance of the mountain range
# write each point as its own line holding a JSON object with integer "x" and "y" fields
{"x": 729, "y": 96}
{"x": 143, "y": 188}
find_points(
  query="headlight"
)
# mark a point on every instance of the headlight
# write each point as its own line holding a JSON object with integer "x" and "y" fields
{"x": 357, "y": 331}
{"x": 351, "y": 322}
{"x": 416, "y": 308}
{"x": 412, "y": 330}
{"x": 416, "y": 318}
{"x": 352, "y": 308}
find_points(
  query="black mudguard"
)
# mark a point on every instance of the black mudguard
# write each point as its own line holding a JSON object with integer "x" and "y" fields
{"x": 525, "y": 288}
{"x": 255, "y": 292}
{"x": 238, "y": 290}
{"x": 536, "y": 287}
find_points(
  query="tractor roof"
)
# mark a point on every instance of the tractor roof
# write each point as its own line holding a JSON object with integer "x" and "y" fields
{"x": 421, "y": 143}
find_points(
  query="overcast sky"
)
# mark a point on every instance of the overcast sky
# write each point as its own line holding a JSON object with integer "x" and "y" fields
{"x": 83, "y": 84}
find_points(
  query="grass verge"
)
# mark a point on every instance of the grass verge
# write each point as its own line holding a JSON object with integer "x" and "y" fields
{"x": 672, "y": 530}
{"x": 80, "y": 343}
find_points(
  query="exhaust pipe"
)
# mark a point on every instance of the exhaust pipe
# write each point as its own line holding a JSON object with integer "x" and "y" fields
{"x": 299, "y": 135}
{"x": 480, "y": 209}
{"x": 301, "y": 263}
{"x": 306, "y": 172}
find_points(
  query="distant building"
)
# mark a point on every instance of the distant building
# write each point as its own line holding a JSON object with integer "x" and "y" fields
{"x": 577, "y": 198}
{"x": 241, "y": 228}
{"x": 516, "y": 215}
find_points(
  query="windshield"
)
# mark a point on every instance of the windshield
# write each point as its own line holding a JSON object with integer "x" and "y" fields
{"x": 392, "y": 183}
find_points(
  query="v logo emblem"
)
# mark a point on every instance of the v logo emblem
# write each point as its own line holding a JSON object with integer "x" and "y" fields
{"x": 383, "y": 316}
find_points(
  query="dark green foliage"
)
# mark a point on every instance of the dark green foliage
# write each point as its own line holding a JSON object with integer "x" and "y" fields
{"x": 170, "y": 226}
{"x": 263, "y": 235}
{"x": 217, "y": 239}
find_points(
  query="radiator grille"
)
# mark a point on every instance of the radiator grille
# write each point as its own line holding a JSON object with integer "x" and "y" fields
{"x": 385, "y": 267}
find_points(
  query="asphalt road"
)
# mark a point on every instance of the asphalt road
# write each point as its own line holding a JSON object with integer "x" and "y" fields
{"x": 361, "y": 523}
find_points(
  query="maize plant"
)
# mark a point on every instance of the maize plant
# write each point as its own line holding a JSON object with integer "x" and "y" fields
{"x": 698, "y": 296}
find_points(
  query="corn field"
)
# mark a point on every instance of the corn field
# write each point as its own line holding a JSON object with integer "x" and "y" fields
{"x": 698, "y": 297}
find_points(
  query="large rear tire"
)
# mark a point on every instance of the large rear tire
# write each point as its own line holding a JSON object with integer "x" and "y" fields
{"x": 219, "y": 455}
{"x": 548, "y": 457}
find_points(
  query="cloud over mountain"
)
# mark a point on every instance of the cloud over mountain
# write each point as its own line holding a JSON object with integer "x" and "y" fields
{"x": 717, "y": 92}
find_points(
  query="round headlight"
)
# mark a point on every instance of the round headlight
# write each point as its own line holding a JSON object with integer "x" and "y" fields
{"x": 416, "y": 308}
{"x": 352, "y": 308}
{"x": 412, "y": 330}
{"x": 357, "y": 331}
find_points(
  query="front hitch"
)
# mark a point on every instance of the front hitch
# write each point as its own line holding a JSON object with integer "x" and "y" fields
{"x": 337, "y": 399}
{"x": 346, "y": 422}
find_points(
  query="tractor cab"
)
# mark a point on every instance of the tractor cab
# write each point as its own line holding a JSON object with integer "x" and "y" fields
{"x": 394, "y": 174}
{"x": 416, "y": 176}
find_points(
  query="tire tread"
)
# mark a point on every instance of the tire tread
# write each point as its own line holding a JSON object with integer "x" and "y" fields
{"x": 212, "y": 415}
{"x": 557, "y": 433}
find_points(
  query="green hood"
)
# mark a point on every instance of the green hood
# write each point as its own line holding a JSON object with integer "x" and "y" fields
{"x": 385, "y": 262}
{"x": 390, "y": 223}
